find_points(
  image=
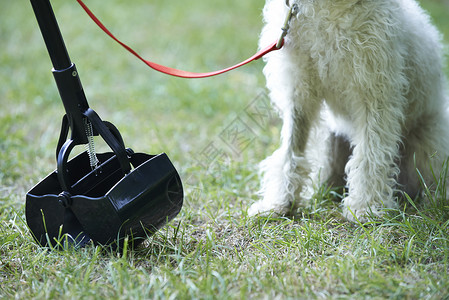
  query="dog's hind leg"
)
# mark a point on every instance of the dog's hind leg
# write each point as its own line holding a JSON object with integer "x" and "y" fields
{"x": 423, "y": 156}
{"x": 328, "y": 153}
{"x": 338, "y": 150}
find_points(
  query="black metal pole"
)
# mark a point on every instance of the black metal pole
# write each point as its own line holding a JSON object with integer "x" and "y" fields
{"x": 64, "y": 71}
{"x": 51, "y": 33}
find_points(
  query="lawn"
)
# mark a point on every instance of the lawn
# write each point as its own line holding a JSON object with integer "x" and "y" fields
{"x": 212, "y": 249}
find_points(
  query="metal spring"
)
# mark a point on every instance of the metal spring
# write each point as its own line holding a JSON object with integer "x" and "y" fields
{"x": 90, "y": 146}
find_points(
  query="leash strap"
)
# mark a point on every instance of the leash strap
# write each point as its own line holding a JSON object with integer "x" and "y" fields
{"x": 175, "y": 72}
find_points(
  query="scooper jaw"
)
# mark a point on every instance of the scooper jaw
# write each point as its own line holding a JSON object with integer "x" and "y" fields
{"x": 105, "y": 205}
{"x": 103, "y": 197}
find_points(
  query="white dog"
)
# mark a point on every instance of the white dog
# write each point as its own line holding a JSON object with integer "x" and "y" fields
{"x": 360, "y": 89}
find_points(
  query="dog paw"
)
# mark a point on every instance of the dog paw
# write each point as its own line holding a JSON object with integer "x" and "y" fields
{"x": 266, "y": 209}
{"x": 362, "y": 215}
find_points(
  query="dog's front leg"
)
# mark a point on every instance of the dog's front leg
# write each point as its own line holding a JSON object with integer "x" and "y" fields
{"x": 286, "y": 171}
{"x": 372, "y": 170}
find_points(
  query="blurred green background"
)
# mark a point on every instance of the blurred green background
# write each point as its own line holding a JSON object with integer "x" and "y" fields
{"x": 219, "y": 253}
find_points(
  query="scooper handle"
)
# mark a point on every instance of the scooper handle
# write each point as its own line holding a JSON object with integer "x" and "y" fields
{"x": 64, "y": 71}
{"x": 72, "y": 96}
{"x": 51, "y": 33}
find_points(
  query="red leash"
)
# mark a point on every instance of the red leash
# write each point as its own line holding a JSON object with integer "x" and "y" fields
{"x": 175, "y": 72}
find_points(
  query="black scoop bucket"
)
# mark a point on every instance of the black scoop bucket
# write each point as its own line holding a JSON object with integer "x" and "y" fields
{"x": 99, "y": 198}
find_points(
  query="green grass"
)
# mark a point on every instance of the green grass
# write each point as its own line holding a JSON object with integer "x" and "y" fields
{"x": 212, "y": 249}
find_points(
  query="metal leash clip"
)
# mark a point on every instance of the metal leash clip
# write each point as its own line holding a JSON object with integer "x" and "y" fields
{"x": 292, "y": 12}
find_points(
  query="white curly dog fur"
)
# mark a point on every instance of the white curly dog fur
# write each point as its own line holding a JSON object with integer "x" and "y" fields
{"x": 360, "y": 89}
